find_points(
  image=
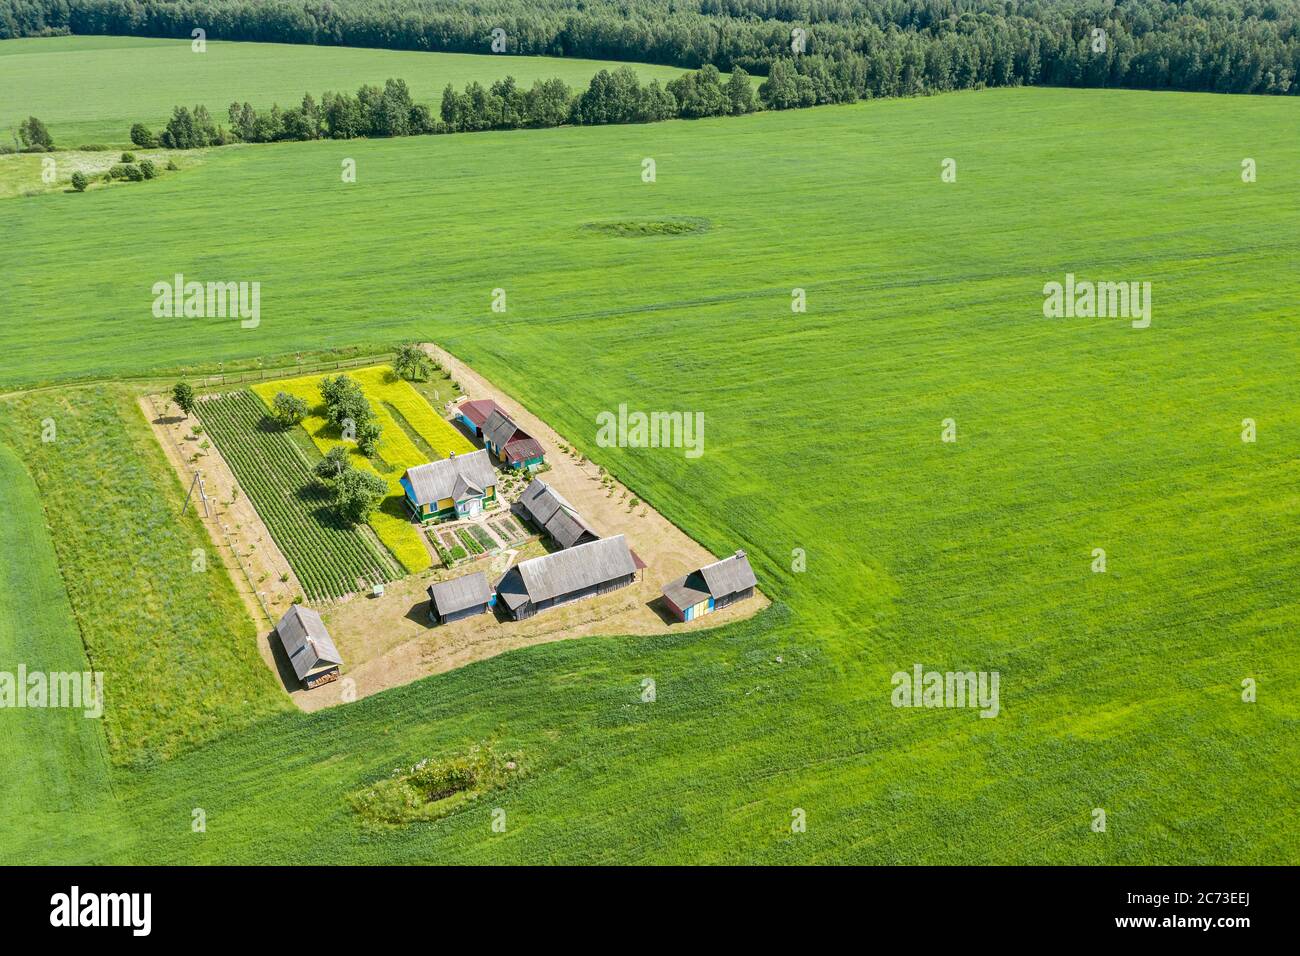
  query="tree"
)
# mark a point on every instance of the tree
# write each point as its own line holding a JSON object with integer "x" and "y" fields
{"x": 143, "y": 136}
{"x": 79, "y": 181}
{"x": 357, "y": 493}
{"x": 368, "y": 433}
{"x": 334, "y": 464}
{"x": 740, "y": 95}
{"x": 411, "y": 362}
{"x": 183, "y": 397}
{"x": 34, "y": 134}
{"x": 288, "y": 410}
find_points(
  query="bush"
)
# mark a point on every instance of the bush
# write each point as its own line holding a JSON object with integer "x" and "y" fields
{"x": 148, "y": 170}
{"x": 117, "y": 171}
{"x": 128, "y": 157}
{"x": 94, "y": 148}
{"x": 133, "y": 174}
{"x": 433, "y": 788}
{"x": 171, "y": 164}
{"x": 79, "y": 181}
{"x": 143, "y": 136}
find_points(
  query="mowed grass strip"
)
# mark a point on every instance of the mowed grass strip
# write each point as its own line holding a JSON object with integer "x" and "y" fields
{"x": 328, "y": 557}
{"x": 176, "y": 645}
{"x": 395, "y": 452}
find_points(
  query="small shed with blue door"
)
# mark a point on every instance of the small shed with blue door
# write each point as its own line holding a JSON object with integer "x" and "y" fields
{"x": 711, "y": 588}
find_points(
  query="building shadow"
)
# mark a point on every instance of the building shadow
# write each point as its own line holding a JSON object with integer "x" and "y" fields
{"x": 660, "y": 606}
{"x": 288, "y": 676}
{"x": 419, "y": 613}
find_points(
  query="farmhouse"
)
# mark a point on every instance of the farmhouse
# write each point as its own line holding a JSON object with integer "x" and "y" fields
{"x": 711, "y": 588}
{"x": 511, "y": 444}
{"x": 460, "y": 598}
{"x": 549, "y": 511}
{"x": 311, "y": 651}
{"x": 565, "y": 576}
{"x": 455, "y": 487}
{"x": 474, "y": 415}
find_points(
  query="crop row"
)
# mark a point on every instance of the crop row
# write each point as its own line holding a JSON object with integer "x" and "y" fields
{"x": 329, "y": 559}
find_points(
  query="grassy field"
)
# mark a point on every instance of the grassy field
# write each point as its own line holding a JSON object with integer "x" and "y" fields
{"x": 327, "y": 557}
{"x": 396, "y": 452}
{"x": 1118, "y": 690}
{"x": 176, "y": 646}
{"x": 90, "y": 89}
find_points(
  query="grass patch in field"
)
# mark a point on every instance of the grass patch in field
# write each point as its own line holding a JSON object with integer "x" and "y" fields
{"x": 177, "y": 648}
{"x": 21, "y": 173}
{"x": 435, "y": 787}
{"x": 328, "y": 557}
{"x": 396, "y": 451}
{"x": 639, "y": 228}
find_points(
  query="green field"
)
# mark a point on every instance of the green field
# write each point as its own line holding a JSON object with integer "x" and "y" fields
{"x": 1118, "y": 690}
{"x": 176, "y": 646}
{"x": 327, "y": 557}
{"x": 91, "y": 89}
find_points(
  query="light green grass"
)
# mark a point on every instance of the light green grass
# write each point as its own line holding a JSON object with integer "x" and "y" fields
{"x": 176, "y": 645}
{"x": 90, "y": 89}
{"x": 1119, "y": 691}
{"x": 56, "y": 767}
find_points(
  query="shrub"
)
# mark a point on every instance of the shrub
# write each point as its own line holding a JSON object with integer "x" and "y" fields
{"x": 434, "y": 787}
{"x": 79, "y": 181}
{"x": 128, "y": 157}
{"x": 117, "y": 172}
{"x": 143, "y": 136}
{"x": 148, "y": 170}
{"x": 133, "y": 174}
{"x": 171, "y": 164}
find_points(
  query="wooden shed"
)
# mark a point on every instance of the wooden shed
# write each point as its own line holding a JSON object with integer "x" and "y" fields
{"x": 549, "y": 511}
{"x": 566, "y": 576}
{"x": 711, "y": 588}
{"x": 311, "y": 650}
{"x": 460, "y": 598}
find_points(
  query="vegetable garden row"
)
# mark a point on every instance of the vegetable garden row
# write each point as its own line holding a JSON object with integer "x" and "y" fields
{"x": 329, "y": 559}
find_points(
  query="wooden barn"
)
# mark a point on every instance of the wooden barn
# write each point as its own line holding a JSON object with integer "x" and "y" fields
{"x": 711, "y": 588}
{"x": 457, "y": 487}
{"x": 512, "y": 445}
{"x": 474, "y": 415}
{"x": 311, "y": 651}
{"x": 460, "y": 598}
{"x": 547, "y": 509}
{"x": 566, "y": 576}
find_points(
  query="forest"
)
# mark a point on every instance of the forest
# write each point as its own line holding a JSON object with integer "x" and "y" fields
{"x": 853, "y": 50}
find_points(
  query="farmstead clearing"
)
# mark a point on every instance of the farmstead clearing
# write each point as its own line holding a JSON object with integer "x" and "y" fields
{"x": 386, "y": 640}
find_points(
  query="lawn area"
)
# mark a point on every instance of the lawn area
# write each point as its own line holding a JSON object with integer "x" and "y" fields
{"x": 90, "y": 89}
{"x": 328, "y": 557}
{"x": 396, "y": 451}
{"x": 176, "y": 645}
{"x": 1119, "y": 690}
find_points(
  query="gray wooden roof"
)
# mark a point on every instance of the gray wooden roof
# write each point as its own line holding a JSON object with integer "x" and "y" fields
{"x": 306, "y": 641}
{"x": 458, "y": 594}
{"x": 457, "y": 477}
{"x": 564, "y": 572}
{"x": 729, "y": 575}
{"x": 499, "y": 429}
{"x": 549, "y": 510}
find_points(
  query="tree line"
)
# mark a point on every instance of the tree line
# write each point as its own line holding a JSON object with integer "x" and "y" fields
{"x": 616, "y": 96}
{"x": 891, "y": 48}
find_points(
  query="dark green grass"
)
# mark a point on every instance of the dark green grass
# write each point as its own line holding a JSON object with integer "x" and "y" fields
{"x": 327, "y": 557}
{"x": 1119, "y": 690}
